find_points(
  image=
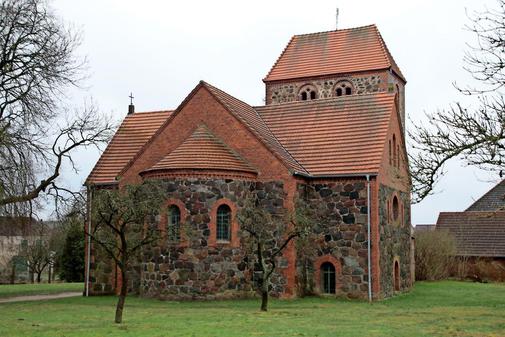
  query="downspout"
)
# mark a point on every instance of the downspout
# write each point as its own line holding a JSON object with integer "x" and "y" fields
{"x": 369, "y": 238}
{"x": 88, "y": 260}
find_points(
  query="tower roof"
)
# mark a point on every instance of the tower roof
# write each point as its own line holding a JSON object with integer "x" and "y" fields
{"x": 492, "y": 200}
{"x": 334, "y": 52}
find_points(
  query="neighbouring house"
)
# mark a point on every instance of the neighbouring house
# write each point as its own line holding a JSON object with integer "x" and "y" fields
{"x": 479, "y": 233}
{"x": 14, "y": 231}
{"x": 332, "y": 132}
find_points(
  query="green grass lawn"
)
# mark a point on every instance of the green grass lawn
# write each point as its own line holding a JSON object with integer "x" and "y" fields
{"x": 11, "y": 290}
{"x": 431, "y": 309}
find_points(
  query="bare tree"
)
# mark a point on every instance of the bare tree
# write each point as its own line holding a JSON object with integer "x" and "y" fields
{"x": 476, "y": 135}
{"x": 124, "y": 222}
{"x": 36, "y": 250}
{"x": 38, "y": 62}
{"x": 268, "y": 235}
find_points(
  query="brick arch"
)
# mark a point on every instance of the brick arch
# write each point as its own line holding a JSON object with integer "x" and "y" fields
{"x": 317, "y": 271}
{"x": 347, "y": 84}
{"x": 162, "y": 225}
{"x": 399, "y": 219}
{"x": 212, "y": 241}
{"x": 397, "y": 279}
{"x": 304, "y": 88}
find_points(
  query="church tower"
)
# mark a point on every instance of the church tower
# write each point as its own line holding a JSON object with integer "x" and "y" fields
{"x": 335, "y": 63}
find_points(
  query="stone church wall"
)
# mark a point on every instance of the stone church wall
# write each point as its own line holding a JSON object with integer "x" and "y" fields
{"x": 197, "y": 269}
{"x": 395, "y": 238}
{"x": 340, "y": 237}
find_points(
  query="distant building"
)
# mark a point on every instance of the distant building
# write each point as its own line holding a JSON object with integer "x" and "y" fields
{"x": 480, "y": 232}
{"x": 14, "y": 231}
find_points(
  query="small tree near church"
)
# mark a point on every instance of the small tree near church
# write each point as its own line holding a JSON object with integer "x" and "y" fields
{"x": 123, "y": 221}
{"x": 268, "y": 235}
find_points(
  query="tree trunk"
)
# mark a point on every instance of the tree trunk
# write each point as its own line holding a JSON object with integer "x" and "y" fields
{"x": 122, "y": 296}
{"x": 264, "y": 296}
{"x": 13, "y": 273}
{"x": 49, "y": 274}
{"x": 39, "y": 276}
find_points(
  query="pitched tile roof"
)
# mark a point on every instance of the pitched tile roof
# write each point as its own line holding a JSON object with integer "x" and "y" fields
{"x": 203, "y": 150}
{"x": 250, "y": 117}
{"x": 344, "y": 135}
{"x": 493, "y": 200}
{"x": 135, "y": 130}
{"x": 476, "y": 233}
{"x": 333, "y": 52}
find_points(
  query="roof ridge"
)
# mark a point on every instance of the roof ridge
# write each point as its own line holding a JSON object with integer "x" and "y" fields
{"x": 149, "y": 112}
{"x": 490, "y": 191}
{"x": 339, "y": 30}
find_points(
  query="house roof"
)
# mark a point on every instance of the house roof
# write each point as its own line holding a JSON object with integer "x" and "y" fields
{"x": 493, "y": 200}
{"x": 334, "y": 52}
{"x": 135, "y": 130}
{"x": 203, "y": 150}
{"x": 343, "y": 135}
{"x": 476, "y": 233}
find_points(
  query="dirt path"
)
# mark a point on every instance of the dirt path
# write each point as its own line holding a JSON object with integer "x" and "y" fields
{"x": 40, "y": 297}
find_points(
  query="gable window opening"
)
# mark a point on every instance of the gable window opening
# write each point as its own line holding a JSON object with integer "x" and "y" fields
{"x": 328, "y": 278}
{"x": 223, "y": 221}
{"x": 396, "y": 208}
{"x": 174, "y": 223}
{"x": 395, "y": 154}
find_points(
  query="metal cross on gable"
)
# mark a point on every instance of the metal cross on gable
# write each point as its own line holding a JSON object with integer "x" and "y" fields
{"x": 131, "y": 98}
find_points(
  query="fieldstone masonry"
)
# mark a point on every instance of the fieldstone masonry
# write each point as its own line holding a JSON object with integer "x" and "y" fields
{"x": 196, "y": 270}
{"x": 394, "y": 242}
{"x": 288, "y": 92}
{"x": 341, "y": 233}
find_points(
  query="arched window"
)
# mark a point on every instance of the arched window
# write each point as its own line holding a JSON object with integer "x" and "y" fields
{"x": 174, "y": 223}
{"x": 394, "y": 150}
{"x": 343, "y": 88}
{"x": 328, "y": 278}
{"x": 223, "y": 221}
{"x": 397, "y": 276}
{"x": 307, "y": 92}
{"x": 398, "y": 155}
{"x": 396, "y": 208}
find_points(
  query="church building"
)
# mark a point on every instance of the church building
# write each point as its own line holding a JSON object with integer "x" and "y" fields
{"x": 332, "y": 133}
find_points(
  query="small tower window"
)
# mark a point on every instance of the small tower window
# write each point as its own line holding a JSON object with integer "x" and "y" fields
{"x": 308, "y": 92}
{"x": 343, "y": 88}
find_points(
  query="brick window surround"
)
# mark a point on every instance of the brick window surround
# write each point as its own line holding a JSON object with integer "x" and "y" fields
{"x": 163, "y": 225}
{"x": 317, "y": 272}
{"x": 234, "y": 228}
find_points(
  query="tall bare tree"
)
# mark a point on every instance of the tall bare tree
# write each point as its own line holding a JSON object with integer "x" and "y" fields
{"x": 38, "y": 132}
{"x": 124, "y": 222}
{"x": 268, "y": 235}
{"x": 475, "y": 135}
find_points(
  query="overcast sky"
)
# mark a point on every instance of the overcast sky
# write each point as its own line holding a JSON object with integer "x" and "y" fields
{"x": 159, "y": 50}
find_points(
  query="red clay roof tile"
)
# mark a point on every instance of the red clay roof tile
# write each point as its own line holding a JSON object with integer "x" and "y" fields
{"x": 135, "y": 130}
{"x": 333, "y": 52}
{"x": 476, "y": 233}
{"x": 250, "y": 117}
{"x": 344, "y": 135}
{"x": 203, "y": 150}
